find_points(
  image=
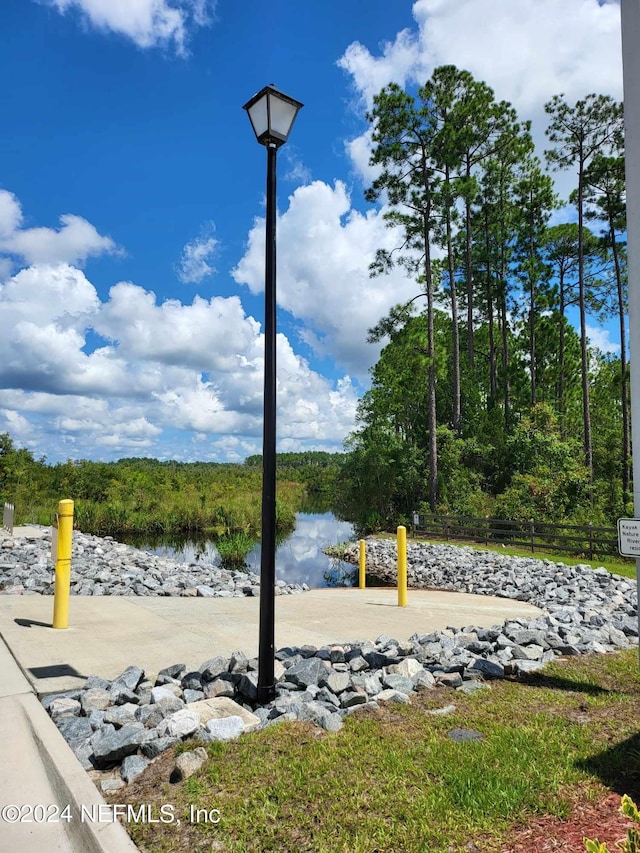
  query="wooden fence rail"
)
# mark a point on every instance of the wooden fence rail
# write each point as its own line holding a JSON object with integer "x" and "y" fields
{"x": 571, "y": 538}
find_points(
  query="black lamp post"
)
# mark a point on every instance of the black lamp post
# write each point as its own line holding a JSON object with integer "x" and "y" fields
{"x": 272, "y": 115}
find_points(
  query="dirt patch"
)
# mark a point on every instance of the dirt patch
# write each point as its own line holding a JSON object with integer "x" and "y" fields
{"x": 600, "y": 821}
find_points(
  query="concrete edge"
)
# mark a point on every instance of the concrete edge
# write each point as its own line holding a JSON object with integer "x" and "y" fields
{"x": 72, "y": 786}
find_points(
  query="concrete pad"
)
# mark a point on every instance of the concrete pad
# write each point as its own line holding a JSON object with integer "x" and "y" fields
{"x": 223, "y": 706}
{"x": 40, "y": 770}
{"x": 109, "y": 633}
{"x": 24, "y": 532}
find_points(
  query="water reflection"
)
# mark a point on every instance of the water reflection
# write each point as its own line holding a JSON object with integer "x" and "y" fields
{"x": 299, "y": 558}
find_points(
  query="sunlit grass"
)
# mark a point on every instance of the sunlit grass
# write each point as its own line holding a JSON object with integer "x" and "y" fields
{"x": 395, "y": 782}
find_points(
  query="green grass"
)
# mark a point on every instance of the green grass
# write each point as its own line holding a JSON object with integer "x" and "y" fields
{"x": 234, "y": 549}
{"x": 394, "y": 782}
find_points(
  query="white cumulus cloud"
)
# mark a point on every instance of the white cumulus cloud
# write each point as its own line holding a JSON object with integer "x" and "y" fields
{"x": 74, "y": 242}
{"x": 195, "y": 261}
{"x": 148, "y": 23}
{"x": 324, "y": 251}
{"x": 129, "y": 374}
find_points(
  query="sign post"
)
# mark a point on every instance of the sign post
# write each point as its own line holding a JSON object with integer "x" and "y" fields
{"x": 630, "y": 24}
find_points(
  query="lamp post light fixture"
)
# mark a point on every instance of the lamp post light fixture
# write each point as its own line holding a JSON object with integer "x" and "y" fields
{"x": 272, "y": 115}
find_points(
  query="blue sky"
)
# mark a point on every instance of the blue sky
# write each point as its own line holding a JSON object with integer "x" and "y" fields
{"x": 132, "y": 197}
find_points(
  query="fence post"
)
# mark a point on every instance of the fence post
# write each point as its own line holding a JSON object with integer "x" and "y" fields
{"x": 7, "y": 518}
{"x": 591, "y": 540}
{"x": 486, "y": 530}
{"x": 362, "y": 564}
{"x": 402, "y": 566}
{"x": 63, "y": 565}
{"x": 532, "y": 529}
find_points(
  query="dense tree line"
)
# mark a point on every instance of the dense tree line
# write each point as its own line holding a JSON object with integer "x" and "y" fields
{"x": 486, "y": 399}
{"x": 144, "y": 495}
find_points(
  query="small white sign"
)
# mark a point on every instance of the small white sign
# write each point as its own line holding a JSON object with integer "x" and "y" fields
{"x": 416, "y": 519}
{"x": 629, "y": 537}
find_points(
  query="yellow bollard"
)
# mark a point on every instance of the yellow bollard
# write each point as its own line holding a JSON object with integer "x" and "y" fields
{"x": 63, "y": 565}
{"x": 402, "y": 566}
{"x": 362, "y": 564}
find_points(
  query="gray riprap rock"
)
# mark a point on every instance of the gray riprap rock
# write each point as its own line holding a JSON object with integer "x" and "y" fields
{"x": 479, "y": 647}
{"x": 448, "y": 679}
{"x": 358, "y": 664}
{"x": 110, "y": 786}
{"x": 96, "y": 718}
{"x": 214, "y": 668}
{"x": 180, "y": 724}
{"x": 64, "y": 706}
{"x": 219, "y": 687}
{"x": 423, "y": 679}
{"x": 526, "y": 637}
{"x": 238, "y": 662}
{"x": 174, "y": 671}
{"x": 372, "y": 684}
{"x": 192, "y": 681}
{"x": 470, "y": 687}
{"x": 75, "y": 730}
{"x": 461, "y": 735}
{"x": 530, "y": 652}
{"x": 170, "y": 704}
{"x": 225, "y": 728}
{"x": 336, "y": 682}
{"x": 441, "y": 712}
{"x": 336, "y": 654}
{"x": 84, "y": 754}
{"x": 306, "y": 672}
{"x": 248, "y": 687}
{"x": 162, "y": 692}
{"x": 526, "y": 666}
{"x": 94, "y": 681}
{"x": 112, "y": 746}
{"x": 153, "y": 748}
{"x": 488, "y": 668}
{"x": 132, "y": 766}
{"x": 188, "y": 763}
{"x": 192, "y": 696}
{"x": 409, "y": 667}
{"x": 389, "y": 696}
{"x": 617, "y": 638}
{"x": 149, "y": 715}
{"x": 131, "y": 677}
{"x": 325, "y": 695}
{"x": 121, "y": 715}
{"x": 351, "y": 697}
{"x": 94, "y": 699}
{"x": 375, "y": 659}
{"x": 317, "y": 713}
{"x": 120, "y": 694}
{"x": 399, "y": 683}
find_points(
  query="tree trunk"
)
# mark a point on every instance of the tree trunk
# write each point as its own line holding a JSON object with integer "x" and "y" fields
{"x": 493, "y": 378}
{"x": 561, "y": 379}
{"x": 532, "y": 309}
{"x": 457, "y": 404}
{"x": 431, "y": 345}
{"x": 586, "y": 415}
{"x": 469, "y": 269}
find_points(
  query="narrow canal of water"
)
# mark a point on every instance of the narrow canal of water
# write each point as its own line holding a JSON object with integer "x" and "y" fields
{"x": 299, "y": 558}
